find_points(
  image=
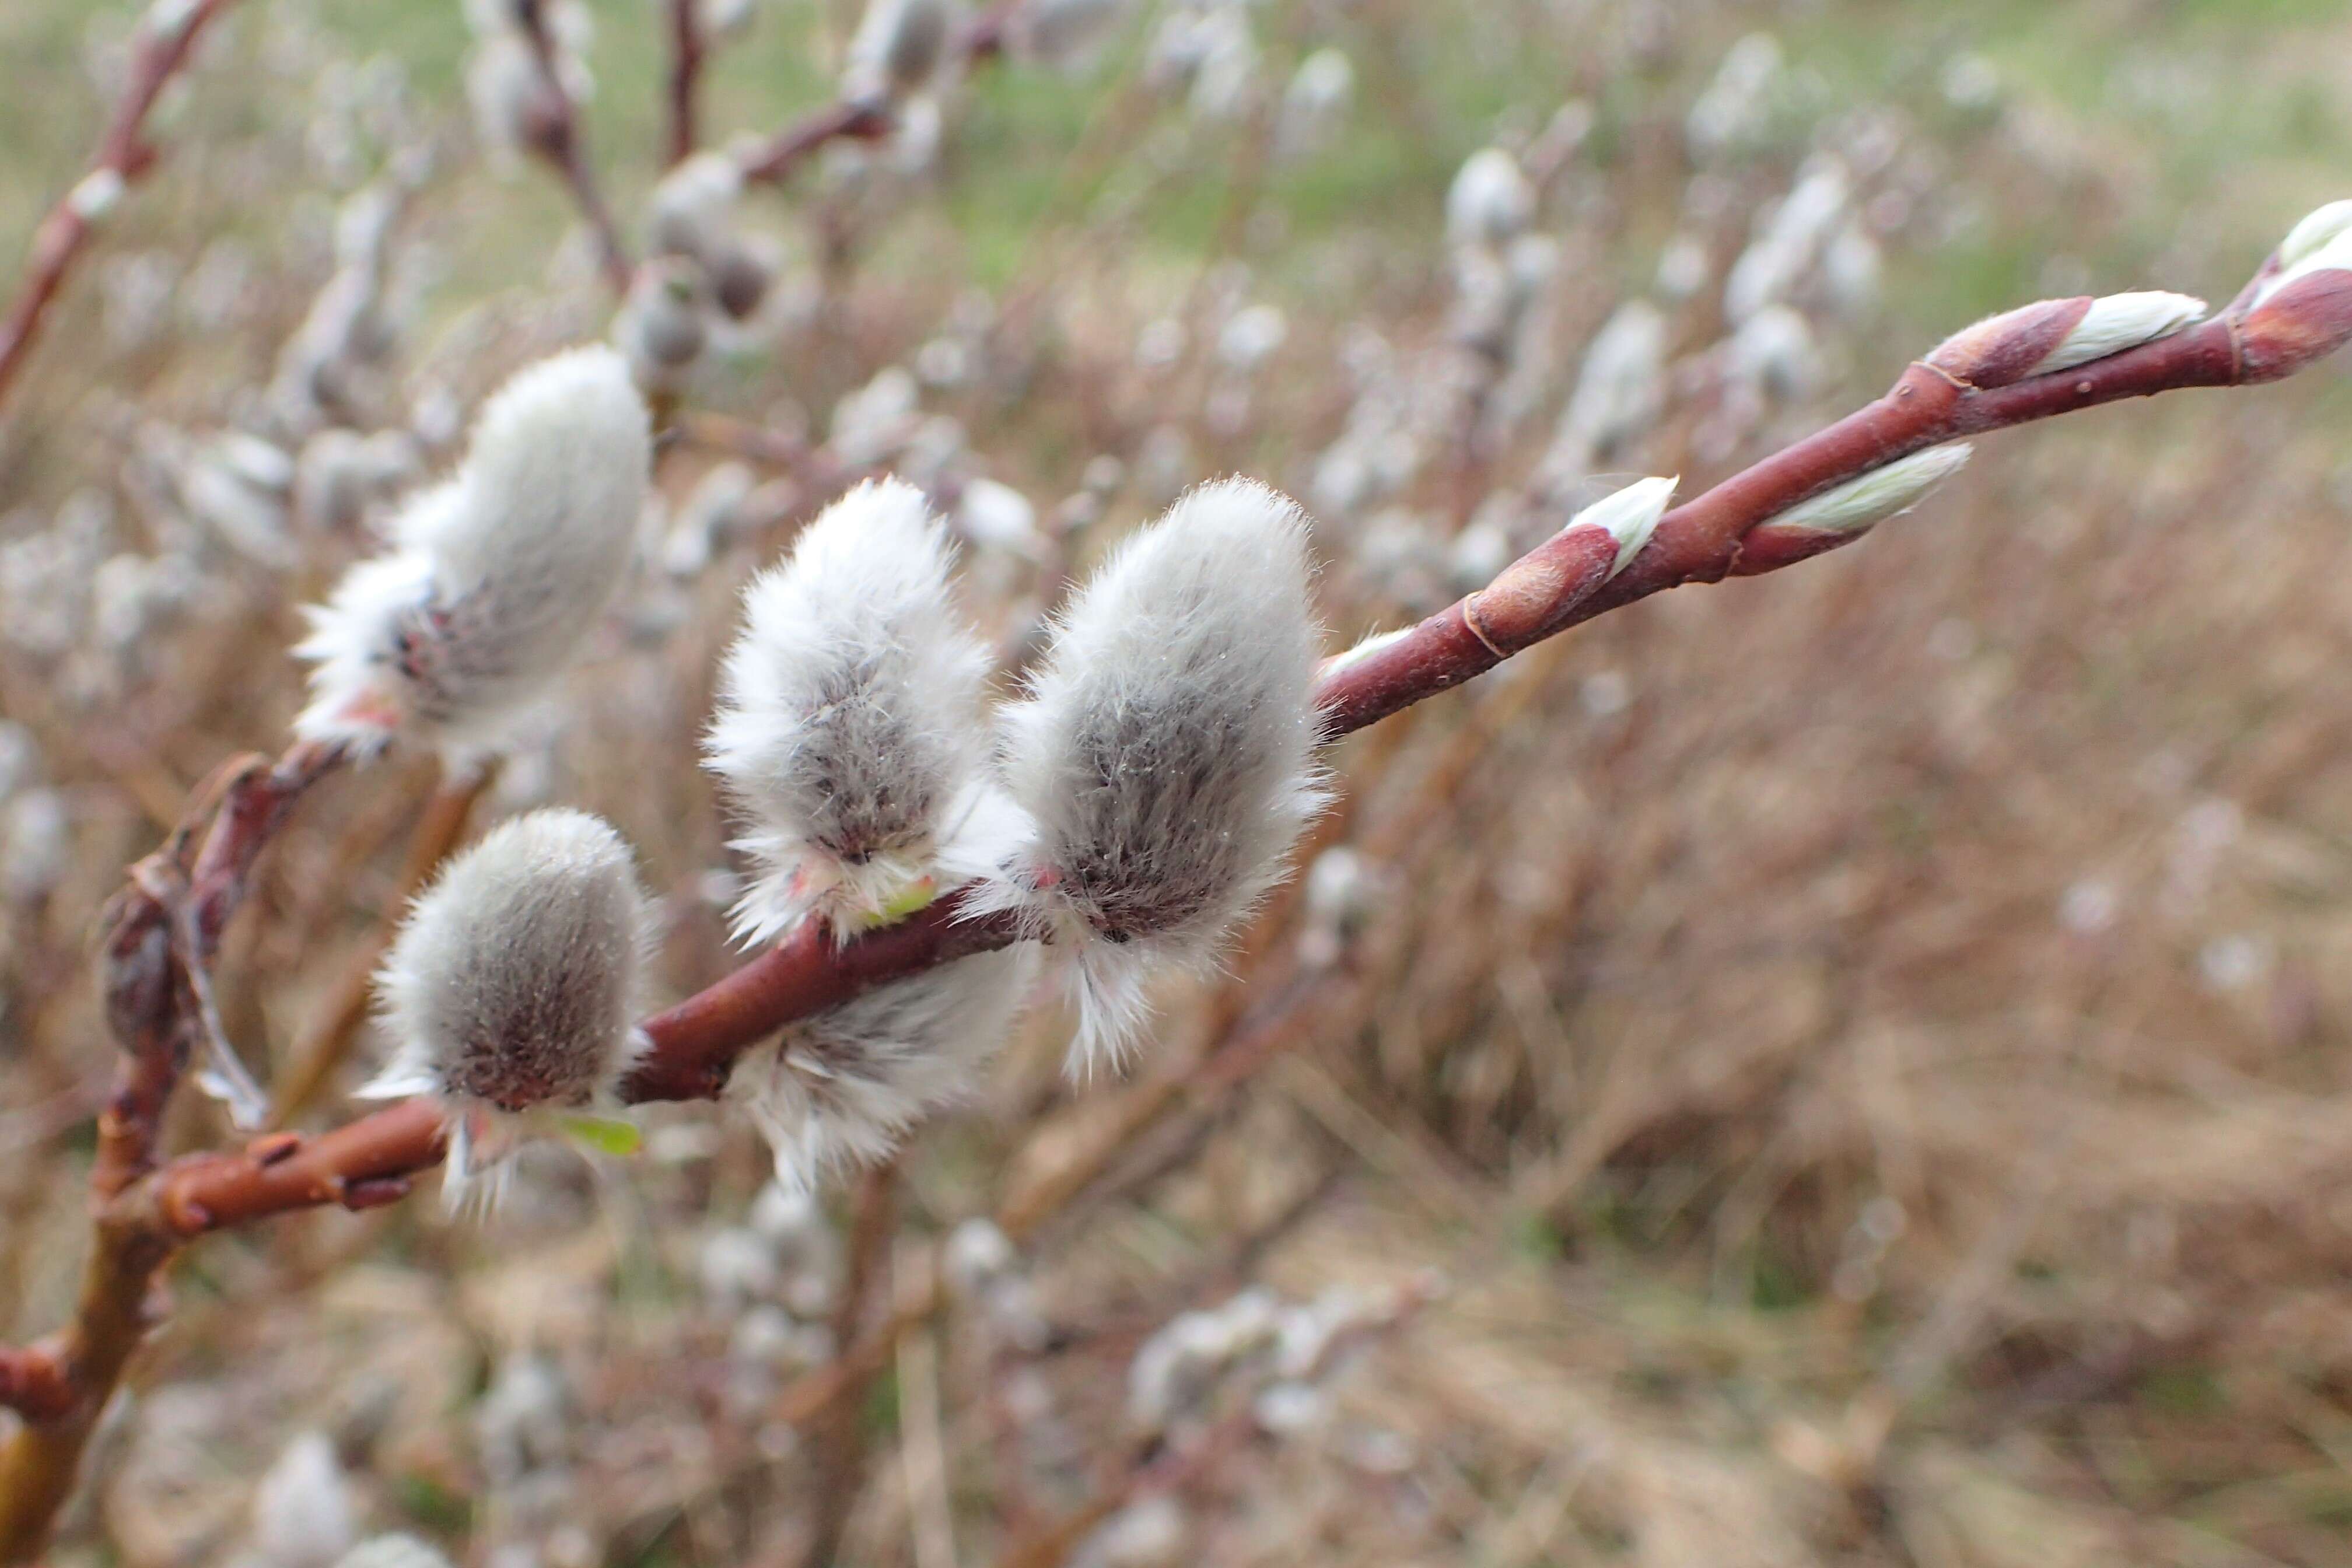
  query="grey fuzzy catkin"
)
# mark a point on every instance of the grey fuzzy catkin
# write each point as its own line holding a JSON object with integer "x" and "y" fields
{"x": 516, "y": 979}
{"x": 691, "y": 210}
{"x": 303, "y": 1509}
{"x": 849, "y": 730}
{"x": 1491, "y": 200}
{"x": 842, "y": 1089}
{"x": 900, "y": 46}
{"x": 497, "y": 576}
{"x": 1064, "y": 33}
{"x": 1165, "y": 751}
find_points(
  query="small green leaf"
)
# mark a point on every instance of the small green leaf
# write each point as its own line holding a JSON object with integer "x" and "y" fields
{"x": 919, "y": 895}
{"x": 605, "y": 1134}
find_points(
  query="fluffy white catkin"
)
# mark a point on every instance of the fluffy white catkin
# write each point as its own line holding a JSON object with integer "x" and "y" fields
{"x": 514, "y": 985}
{"x": 302, "y": 1513}
{"x": 392, "y": 1551}
{"x": 841, "y": 1089}
{"x": 1490, "y": 200}
{"x": 900, "y": 46}
{"x": 849, "y": 730}
{"x": 1165, "y": 751}
{"x": 495, "y": 578}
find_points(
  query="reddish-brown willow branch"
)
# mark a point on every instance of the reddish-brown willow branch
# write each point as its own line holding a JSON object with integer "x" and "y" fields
{"x": 168, "y": 916}
{"x": 36, "y": 1381}
{"x": 556, "y": 135}
{"x": 858, "y": 119}
{"x": 1550, "y": 589}
{"x": 861, "y": 119}
{"x": 166, "y": 921}
{"x": 685, "y": 54}
{"x": 124, "y": 155}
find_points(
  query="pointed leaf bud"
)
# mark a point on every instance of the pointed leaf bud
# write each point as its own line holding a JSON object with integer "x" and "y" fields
{"x": 1861, "y": 504}
{"x": 1841, "y": 514}
{"x": 1166, "y": 750}
{"x": 1534, "y": 595}
{"x": 2319, "y": 229}
{"x": 2118, "y": 321}
{"x": 849, "y": 730}
{"x": 1630, "y": 516}
{"x": 512, "y": 988}
{"x": 498, "y": 576}
{"x": 2008, "y": 348}
{"x": 2322, "y": 242}
{"x": 2299, "y": 308}
{"x": 840, "y": 1090}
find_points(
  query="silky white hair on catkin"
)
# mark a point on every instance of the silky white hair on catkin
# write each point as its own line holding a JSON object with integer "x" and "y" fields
{"x": 841, "y": 1090}
{"x": 849, "y": 730}
{"x": 1165, "y": 753}
{"x": 497, "y": 577}
{"x": 515, "y": 982}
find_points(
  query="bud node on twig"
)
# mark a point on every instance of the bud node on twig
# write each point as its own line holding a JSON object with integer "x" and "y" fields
{"x": 272, "y": 1147}
{"x": 2006, "y": 348}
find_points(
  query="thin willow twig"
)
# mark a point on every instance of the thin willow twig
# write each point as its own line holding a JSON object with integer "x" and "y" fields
{"x": 124, "y": 156}
{"x": 557, "y": 136}
{"x": 686, "y": 51}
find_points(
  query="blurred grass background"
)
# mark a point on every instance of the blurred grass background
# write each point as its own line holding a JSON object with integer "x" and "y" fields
{"x": 2226, "y": 111}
